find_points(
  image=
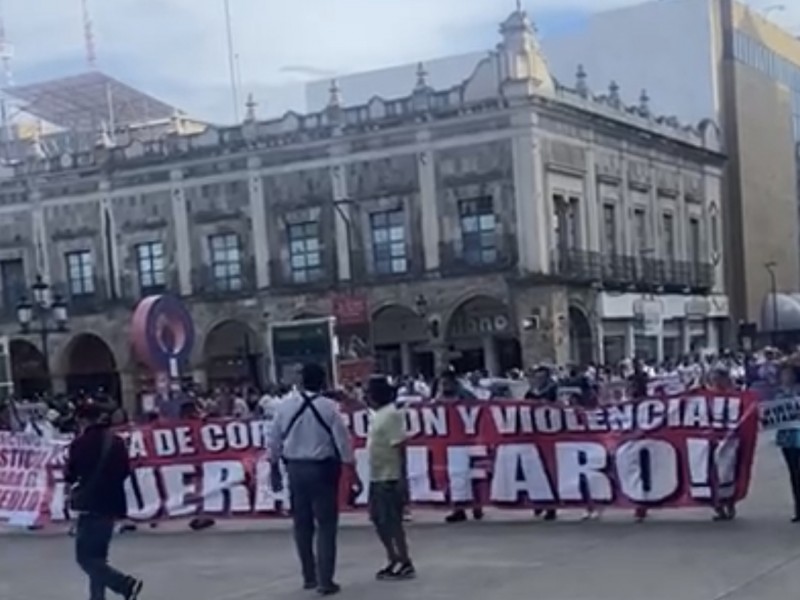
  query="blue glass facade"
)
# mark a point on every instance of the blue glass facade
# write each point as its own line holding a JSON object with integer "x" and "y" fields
{"x": 753, "y": 53}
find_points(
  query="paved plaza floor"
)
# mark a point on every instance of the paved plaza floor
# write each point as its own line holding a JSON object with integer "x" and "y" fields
{"x": 677, "y": 555}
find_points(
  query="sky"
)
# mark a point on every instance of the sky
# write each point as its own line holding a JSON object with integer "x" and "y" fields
{"x": 176, "y": 50}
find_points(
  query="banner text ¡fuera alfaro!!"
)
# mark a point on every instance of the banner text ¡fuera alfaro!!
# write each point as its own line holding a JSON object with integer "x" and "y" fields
{"x": 690, "y": 450}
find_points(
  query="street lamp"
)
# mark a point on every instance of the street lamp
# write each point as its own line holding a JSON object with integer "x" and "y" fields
{"x": 770, "y": 267}
{"x": 50, "y": 315}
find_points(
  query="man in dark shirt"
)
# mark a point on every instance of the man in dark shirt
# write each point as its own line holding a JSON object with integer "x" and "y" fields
{"x": 97, "y": 467}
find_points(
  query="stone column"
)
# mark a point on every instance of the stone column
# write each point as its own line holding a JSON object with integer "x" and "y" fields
{"x": 592, "y": 225}
{"x": 429, "y": 205}
{"x": 343, "y": 222}
{"x": 258, "y": 220}
{"x": 40, "y": 238}
{"x": 630, "y": 339}
{"x": 530, "y": 201}
{"x": 490, "y": 362}
{"x": 127, "y": 388}
{"x": 182, "y": 244}
{"x": 686, "y": 336}
{"x": 599, "y": 348}
{"x": 406, "y": 359}
{"x": 108, "y": 234}
{"x": 627, "y": 209}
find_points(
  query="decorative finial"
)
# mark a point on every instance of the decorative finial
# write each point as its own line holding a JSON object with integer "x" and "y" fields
{"x": 104, "y": 137}
{"x": 250, "y": 113}
{"x": 177, "y": 122}
{"x": 36, "y": 150}
{"x": 613, "y": 94}
{"x": 580, "y": 84}
{"x": 644, "y": 103}
{"x": 519, "y": 5}
{"x": 335, "y": 100}
{"x": 422, "y": 76}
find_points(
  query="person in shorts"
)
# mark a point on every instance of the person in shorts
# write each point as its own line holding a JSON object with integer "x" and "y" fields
{"x": 388, "y": 478}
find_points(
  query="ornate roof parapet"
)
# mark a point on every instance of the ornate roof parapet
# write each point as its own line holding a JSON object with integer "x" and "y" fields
{"x": 514, "y": 75}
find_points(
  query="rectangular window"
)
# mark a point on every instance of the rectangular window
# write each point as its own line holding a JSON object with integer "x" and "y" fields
{"x": 305, "y": 254}
{"x": 226, "y": 262}
{"x": 478, "y": 231}
{"x": 610, "y": 229}
{"x": 640, "y": 230}
{"x": 567, "y": 222}
{"x": 80, "y": 273}
{"x": 12, "y": 278}
{"x": 695, "y": 243}
{"x": 668, "y": 230}
{"x": 389, "y": 242}
{"x": 150, "y": 264}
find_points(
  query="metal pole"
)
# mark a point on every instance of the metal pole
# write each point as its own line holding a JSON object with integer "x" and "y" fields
{"x": 232, "y": 61}
{"x": 770, "y": 267}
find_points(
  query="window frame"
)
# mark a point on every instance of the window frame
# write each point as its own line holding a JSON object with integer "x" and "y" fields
{"x": 157, "y": 276}
{"x": 301, "y": 248}
{"x": 225, "y": 261}
{"x": 84, "y": 284}
{"x": 478, "y": 224}
{"x": 389, "y": 253}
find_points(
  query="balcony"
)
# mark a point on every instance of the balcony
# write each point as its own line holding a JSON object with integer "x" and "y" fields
{"x": 631, "y": 272}
{"x": 283, "y": 280}
{"x": 206, "y": 284}
{"x": 578, "y": 266}
{"x": 455, "y": 260}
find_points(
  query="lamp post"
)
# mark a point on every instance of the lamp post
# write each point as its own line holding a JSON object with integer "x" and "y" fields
{"x": 49, "y": 315}
{"x": 770, "y": 267}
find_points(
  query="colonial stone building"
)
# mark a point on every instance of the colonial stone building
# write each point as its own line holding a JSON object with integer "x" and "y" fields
{"x": 509, "y": 220}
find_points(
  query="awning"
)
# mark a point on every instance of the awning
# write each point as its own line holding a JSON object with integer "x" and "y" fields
{"x": 787, "y": 307}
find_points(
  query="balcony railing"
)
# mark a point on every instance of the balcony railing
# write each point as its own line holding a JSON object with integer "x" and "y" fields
{"x": 207, "y": 283}
{"x": 457, "y": 260}
{"x": 282, "y": 277}
{"x": 617, "y": 271}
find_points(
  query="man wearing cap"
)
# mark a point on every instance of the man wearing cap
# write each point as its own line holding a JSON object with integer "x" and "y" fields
{"x": 97, "y": 467}
{"x": 309, "y": 434}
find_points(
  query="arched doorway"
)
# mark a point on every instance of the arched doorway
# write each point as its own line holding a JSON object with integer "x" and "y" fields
{"x": 402, "y": 342}
{"x": 581, "y": 349}
{"x": 28, "y": 369}
{"x": 481, "y": 336}
{"x": 90, "y": 367}
{"x": 232, "y": 355}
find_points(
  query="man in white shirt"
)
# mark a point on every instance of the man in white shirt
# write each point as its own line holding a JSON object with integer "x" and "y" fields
{"x": 309, "y": 434}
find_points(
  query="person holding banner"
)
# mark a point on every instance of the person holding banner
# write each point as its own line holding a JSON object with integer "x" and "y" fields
{"x": 97, "y": 467}
{"x": 720, "y": 381}
{"x": 310, "y": 435}
{"x": 787, "y": 438}
{"x": 388, "y": 482}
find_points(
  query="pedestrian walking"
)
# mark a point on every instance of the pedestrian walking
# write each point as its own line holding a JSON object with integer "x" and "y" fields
{"x": 388, "y": 491}
{"x": 310, "y": 435}
{"x": 97, "y": 467}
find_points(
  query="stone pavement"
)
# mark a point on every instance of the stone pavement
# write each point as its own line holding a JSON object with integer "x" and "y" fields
{"x": 674, "y": 556}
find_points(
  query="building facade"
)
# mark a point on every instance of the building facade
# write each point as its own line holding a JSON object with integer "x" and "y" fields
{"x": 697, "y": 59}
{"x": 496, "y": 224}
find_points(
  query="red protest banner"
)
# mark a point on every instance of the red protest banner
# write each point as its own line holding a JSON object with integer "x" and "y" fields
{"x": 690, "y": 450}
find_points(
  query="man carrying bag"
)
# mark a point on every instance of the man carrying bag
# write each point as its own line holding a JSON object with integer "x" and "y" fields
{"x": 309, "y": 434}
{"x": 97, "y": 467}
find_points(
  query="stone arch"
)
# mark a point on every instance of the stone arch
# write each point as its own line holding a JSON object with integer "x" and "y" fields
{"x": 232, "y": 355}
{"x": 90, "y": 366}
{"x": 581, "y": 345}
{"x": 481, "y": 334}
{"x": 29, "y": 370}
{"x": 401, "y": 339}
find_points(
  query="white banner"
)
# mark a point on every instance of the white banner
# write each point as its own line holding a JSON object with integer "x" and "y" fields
{"x": 24, "y": 463}
{"x": 781, "y": 413}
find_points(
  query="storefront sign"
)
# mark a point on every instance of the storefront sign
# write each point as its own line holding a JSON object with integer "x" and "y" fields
{"x": 162, "y": 333}
{"x": 354, "y": 334}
